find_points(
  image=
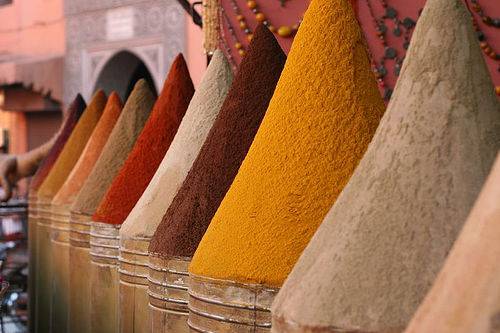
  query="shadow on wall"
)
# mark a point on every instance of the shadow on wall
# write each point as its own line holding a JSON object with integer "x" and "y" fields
{"x": 120, "y": 74}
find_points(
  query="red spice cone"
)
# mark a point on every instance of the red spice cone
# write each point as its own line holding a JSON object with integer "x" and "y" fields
{"x": 150, "y": 147}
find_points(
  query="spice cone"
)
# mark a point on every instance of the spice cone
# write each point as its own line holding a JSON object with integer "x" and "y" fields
{"x": 61, "y": 205}
{"x": 211, "y": 175}
{"x": 126, "y": 189}
{"x": 120, "y": 142}
{"x": 382, "y": 244}
{"x": 53, "y": 182}
{"x": 320, "y": 120}
{"x": 73, "y": 112}
{"x": 142, "y": 221}
{"x": 465, "y": 296}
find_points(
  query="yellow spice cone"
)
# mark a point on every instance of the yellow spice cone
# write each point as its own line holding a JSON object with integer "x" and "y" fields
{"x": 121, "y": 140}
{"x": 55, "y": 179}
{"x": 320, "y": 121}
{"x": 61, "y": 205}
{"x": 466, "y": 294}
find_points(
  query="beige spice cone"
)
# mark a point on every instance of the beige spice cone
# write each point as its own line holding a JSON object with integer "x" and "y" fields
{"x": 466, "y": 294}
{"x": 121, "y": 140}
{"x": 382, "y": 244}
{"x": 141, "y": 223}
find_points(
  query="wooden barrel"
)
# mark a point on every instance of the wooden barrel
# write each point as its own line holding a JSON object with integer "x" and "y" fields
{"x": 168, "y": 294}
{"x": 104, "y": 277}
{"x": 79, "y": 273}
{"x": 60, "y": 268}
{"x": 133, "y": 269}
{"x": 225, "y": 306}
{"x": 32, "y": 227}
{"x": 43, "y": 267}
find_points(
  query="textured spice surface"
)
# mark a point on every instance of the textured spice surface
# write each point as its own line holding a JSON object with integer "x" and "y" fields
{"x": 75, "y": 110}
{"x": 382, "y": 244}
{"x": 213, "y": 171}
{"x": 73, "y": 147}
{"x": 90, "y": 154}
{"x": 150, "y": 148}
{"x": 465, "y": 296}
{"x": 321, "y": 118}
{"x": 123, "y": 137}
{"x": 199, "y": 118}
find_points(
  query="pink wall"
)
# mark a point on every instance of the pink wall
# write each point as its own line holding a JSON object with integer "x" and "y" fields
{"x": 195, "y": 56}
{"x": 295, "y": 8}
{"x": 33, "y": 28}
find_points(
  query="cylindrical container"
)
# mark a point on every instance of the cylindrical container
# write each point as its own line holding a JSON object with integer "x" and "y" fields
{"x": 43, "y": 267}
{"x": 104, "y": 277}
{"x": 79, "y": 273}
{"x": 168, "y": 294}
{"x": 226, "y": 306}
{"x": 60, "y": 268}
{"x": 133, "y": 269}
{"x": 32, "y": 227}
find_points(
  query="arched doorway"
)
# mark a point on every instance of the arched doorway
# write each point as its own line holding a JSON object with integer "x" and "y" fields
{"x": 121, "y": 72}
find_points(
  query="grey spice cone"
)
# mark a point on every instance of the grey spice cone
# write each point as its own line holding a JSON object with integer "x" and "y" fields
{"x": 466, "y": 294}
{"x": 382, "y": 244}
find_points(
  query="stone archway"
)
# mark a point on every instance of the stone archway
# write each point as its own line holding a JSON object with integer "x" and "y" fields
{"x": 120, "y": 73}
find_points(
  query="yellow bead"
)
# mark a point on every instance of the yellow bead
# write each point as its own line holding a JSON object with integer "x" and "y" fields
{"x": 241, "y": 52}
{"x": 252, "y": 4}
{"x": 238, "y": 46}
{"x": 250, "y": 37}
{"x": 260, "y": 17}
{"x": 285, "y": 31}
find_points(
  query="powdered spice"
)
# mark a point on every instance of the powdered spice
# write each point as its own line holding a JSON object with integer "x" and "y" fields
{"x": 382, "y": 244}
{"x": 320, "y": 121}
{"x": 73, "y": 147}
{"x": 90, "y": 154}
{"x": 130, "y": 123}
{"x": 464, "y": 298}
{"x": 150, "y": 148}
{"x": 201, "y": 114}
{"x": 220, "y": 157}
{"x": 75, "y": 110}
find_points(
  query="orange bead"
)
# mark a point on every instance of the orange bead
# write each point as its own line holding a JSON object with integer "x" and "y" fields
{"x": 260, "y": 17}
{"x": 238, "y": 46}
{"x": 241, "y": 52}
{"x": 285, "y": 31}
{"x": 483, "y": 45}
{"x": 243, "y": 25}
{"x": 249, "y": 37}
{"x": 240, "y": 17}
{"x": 272, "y": 28}
{"x": 251, "y": 4}
{"x": 497, "y": 90}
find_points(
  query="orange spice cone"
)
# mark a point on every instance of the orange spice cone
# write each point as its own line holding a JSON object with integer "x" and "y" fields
{"x": 385, "y": 239}
{"x": 55, "y": 179}
{"x": 465, "y": 296}
{"x": 74, "y": 112}
{"x": 126, "y": 189}
{"x": 119, "y": 144}
{"x": 321, "y": 118}
{"x": 61, "y": 205}
{"x": 138, "y": 228}
{"x": 211, "y": 175}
